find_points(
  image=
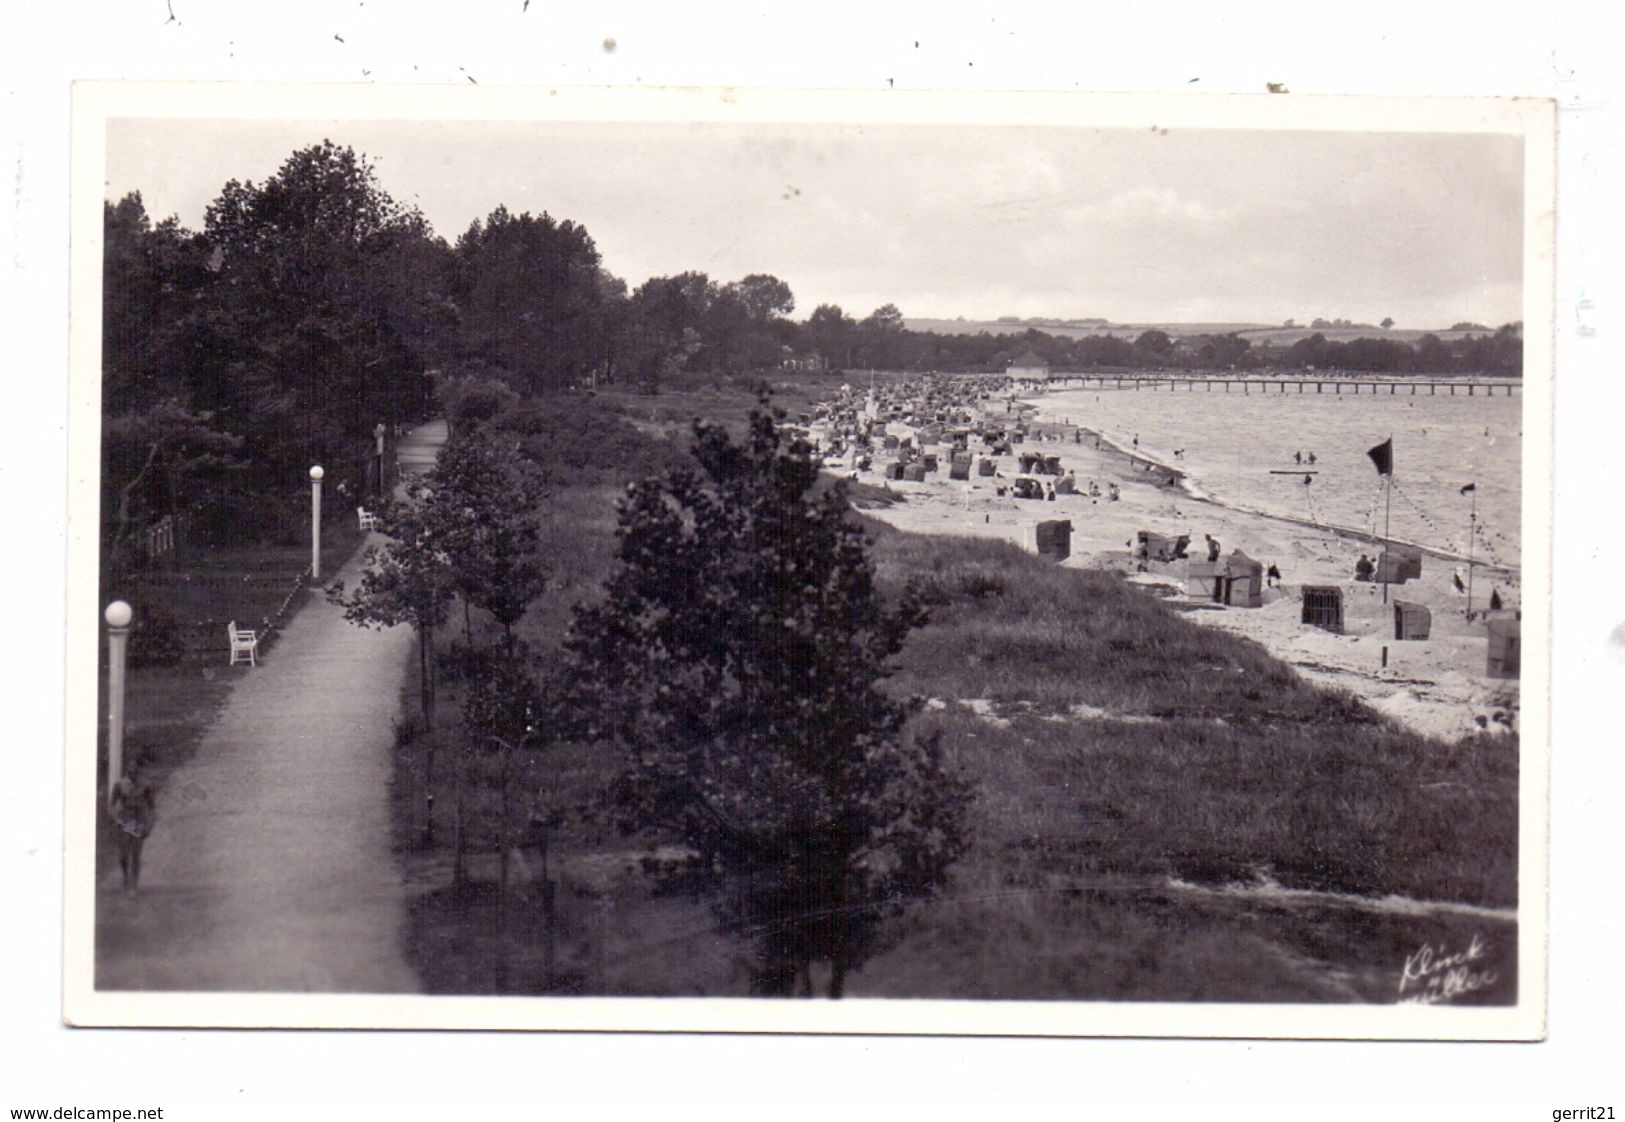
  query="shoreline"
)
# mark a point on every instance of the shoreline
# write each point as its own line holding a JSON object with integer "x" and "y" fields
{"x": 1437, "y": 687}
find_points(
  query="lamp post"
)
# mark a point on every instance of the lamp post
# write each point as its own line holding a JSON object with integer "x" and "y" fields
{"x": 378, "y": 432}
{"x": 316, "y": 523}
{"x": 118, "y": 617}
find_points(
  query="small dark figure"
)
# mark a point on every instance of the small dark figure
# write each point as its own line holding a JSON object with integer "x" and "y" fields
{"x": 1297, "y": 458}
{"x": 1495, "y": 599}
{"x": 1363, "y": 568}
{"x": 1272, "y": 575}
{"x": 1212, "y": 547}
{"x": 1308, "y": 479}
{"x": 1311, "y": 458}
{"x": 1455, "y": 578}
{"x": 133, "y": 814}
{"x": 1136, "y": 440}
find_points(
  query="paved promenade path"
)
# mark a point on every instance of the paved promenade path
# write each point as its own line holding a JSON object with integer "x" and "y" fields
{"x": 270, "y": 869}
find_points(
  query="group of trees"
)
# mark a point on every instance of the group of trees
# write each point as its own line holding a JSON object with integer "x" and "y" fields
{"x": 1499, "y": 352}
{"x": 882, "y": 341}
{"x": 303, "y": 314}
{"x": 734, "y": 663}
{"x": 467, "y": 533}
{"x": 313, "y": 306}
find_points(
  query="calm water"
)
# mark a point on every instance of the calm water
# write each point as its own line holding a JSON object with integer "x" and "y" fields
{"x": 1233, "y": 441}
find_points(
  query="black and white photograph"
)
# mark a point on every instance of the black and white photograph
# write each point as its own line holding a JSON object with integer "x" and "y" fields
{"x": 938, "y": 563}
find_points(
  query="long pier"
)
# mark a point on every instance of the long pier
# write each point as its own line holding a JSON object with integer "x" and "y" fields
{"x": 1210, "y": 383}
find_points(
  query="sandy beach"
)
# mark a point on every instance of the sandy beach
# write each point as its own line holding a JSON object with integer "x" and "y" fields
{"x": 1438, "y": 686}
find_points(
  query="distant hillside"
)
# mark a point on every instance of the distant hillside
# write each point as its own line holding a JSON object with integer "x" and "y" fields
{"x": 1073, "y": 328}
{"x": 1254, "y": 332}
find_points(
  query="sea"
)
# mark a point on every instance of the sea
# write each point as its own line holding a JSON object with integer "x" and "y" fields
{"x": 1457, "y": 460}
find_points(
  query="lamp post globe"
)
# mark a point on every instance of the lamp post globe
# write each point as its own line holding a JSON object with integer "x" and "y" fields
{"x": 316, "y": 474}
{"x": 118, "y": 614}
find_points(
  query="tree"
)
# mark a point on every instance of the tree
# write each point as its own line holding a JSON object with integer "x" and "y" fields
{"x": 505, "y": 712}
{"x": 1154, "y": 345}
{"x": 744, "y": 326}
{"x": 737, "y": 660}
{"x": 1387, "y": 322}
{"x": 149, "y": 458}
{"x": 408, "y": 579}
{"x": 151, "y": 278}
{"x": 487, "y": 512}
{"x": 832, "y": 334}
{"x": 765, "y": 297}
{"x": 532, "y": 292}
{"x": 1312, "y": 351}
{"x": 322, "y": 306}
{"x": 882, "y": 335}
{"x": 665, "y": 321}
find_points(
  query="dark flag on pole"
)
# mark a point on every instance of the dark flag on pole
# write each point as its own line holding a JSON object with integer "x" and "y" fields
{"x": 1383, "y": 456}
{"x": 1469, "y": 489}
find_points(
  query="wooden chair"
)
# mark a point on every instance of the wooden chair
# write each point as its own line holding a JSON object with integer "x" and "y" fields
{"x": 368, "y": 520}
{"x": 244, "y": 644}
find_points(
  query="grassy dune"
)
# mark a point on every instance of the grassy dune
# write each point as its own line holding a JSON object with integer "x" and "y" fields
{"x": 1205, "y": 755}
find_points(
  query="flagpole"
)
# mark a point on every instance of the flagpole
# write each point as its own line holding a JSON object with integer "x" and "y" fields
{"x": 1472, "y": 532}
{"x": 1387, "y": 508}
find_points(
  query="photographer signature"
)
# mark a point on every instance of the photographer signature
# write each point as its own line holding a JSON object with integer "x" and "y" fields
{"x": 1437, "y": 974}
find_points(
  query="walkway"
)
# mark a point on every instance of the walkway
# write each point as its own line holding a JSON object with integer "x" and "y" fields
{"x": 270, "y": 869}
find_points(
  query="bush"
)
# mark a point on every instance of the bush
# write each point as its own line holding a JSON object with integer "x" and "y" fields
{"x": 156, "y": 637}
{"x": 583, "y": 440}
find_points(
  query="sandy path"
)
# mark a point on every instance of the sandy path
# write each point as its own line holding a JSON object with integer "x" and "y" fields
{"x": 270, "y": 869}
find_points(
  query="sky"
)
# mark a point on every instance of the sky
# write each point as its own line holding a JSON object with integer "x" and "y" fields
{"x": 1135, "y": 226}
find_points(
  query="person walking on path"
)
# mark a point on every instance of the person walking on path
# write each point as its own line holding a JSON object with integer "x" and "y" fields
{"x": 133, "y": 812}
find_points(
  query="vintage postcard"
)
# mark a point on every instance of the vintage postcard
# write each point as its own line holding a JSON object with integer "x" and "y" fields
{"x": 746, "y": 561}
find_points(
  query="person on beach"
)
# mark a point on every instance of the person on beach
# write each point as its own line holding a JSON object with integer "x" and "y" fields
{"x": 1363, "y": 568}
{"x": 1311, "y": 458}
{"x": 1112, "y": 492}
{"x": 133, "y": 813}
{"x": 1212, "y": 547}
{"x": 1272, "y": 575}
{"x": 1297, "y": 458}
{"x": 1136, "y": 440}
{"x": 1495, "y": 600}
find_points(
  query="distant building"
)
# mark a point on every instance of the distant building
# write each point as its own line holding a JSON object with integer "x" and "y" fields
{"x": 1028, "y": 368}
{"x": 804, "y": 363}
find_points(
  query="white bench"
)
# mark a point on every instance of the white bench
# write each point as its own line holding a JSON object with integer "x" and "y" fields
{"x": 244, "y": 644}
{"x": 368, "y": 520}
